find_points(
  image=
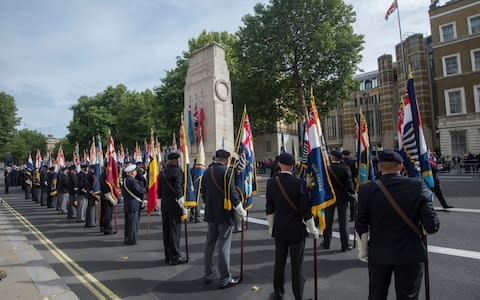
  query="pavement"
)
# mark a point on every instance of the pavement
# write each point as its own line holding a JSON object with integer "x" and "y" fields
{"x": 47, "y": 256}
{"x": 29, "y": 276}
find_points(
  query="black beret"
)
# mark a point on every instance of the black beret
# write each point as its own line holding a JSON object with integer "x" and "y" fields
{"x": 71, "y": 167}
{"x": 83, "y": 166}
{"x": 138, "y": 163}
{"x": 336, "y": 154}
{"x": 173, "y": 155}
{"x": 286, "y": 159}
{"x": 222, "y": 154}
{"x": 390, "y": 155}
{"x": 346, "y": 152}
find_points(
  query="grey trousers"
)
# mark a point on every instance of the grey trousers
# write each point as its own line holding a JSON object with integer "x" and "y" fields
{"x": 91, "y": 217}
{"x": 72, "y": 210}
{"x": 132, "y": 219}
{"x": 219, "y": 235}
{"x": 81, "y": 207}
{"x": 62, "y": 202}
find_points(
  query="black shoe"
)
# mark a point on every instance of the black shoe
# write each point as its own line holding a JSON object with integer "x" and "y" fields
{"x": 178, "y": 261}
{"x": 348, "y": 248}
{"x": 207, "y": 280}
{"x": 447, "y": 206}
{"x": 324, "y": 246}
{"x": 167, "y": 261}
{"x": 233, "y": 282}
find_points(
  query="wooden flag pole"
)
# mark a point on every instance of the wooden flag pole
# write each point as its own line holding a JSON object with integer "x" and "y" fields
{"x": 186, "y": 239}
{"x": 241, "y": 253}
{"x": 315, "y": 267}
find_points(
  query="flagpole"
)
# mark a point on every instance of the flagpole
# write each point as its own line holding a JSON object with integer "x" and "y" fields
{"x": 315, "y": 268}
{"x": 404, "y": 64}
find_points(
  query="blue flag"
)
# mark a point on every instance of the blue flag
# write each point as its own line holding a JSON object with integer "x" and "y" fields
{"x": 411, "y": 141}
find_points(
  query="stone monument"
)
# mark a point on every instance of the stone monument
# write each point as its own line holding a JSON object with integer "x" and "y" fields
{"x": 208, "y": 99}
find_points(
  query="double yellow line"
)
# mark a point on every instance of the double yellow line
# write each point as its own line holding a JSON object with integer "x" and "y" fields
{"x": 90, "y": 282}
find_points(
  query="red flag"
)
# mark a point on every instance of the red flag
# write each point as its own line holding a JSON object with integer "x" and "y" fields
{"x": 112, "y": 170}
{"x": 391, "y": 9}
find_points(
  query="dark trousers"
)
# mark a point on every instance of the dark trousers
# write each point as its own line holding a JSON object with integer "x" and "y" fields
{"x": 171, "y": 236}
{"x": 44, "y": 197}
{"x": 353, "y": 208}
{"x": 91, "y": 215}
{"x": 342, "y": 223}
{"x": 296, "y": 259}
{"x": 106, "y": 212}
{"x": 132, "y": 219}
{"x": 439, "y": 194}
{"x": 36, "y": 194}
{"x": 408, "y": 279}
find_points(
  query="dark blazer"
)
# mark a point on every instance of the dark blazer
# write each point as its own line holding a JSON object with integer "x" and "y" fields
{"x": 63, "y": 183}
{"x": 73, "y": 183}
{"x": 392, "y": 241}
{"x": 82, "y": 183}
{"x": 343, "y": 174}
{"x": 352, "y": 165}
{"x": 170, "y": 189}
{"x": 131, "y": 204}
{"x": 213, "y": 196}
{"x": 287, "y": 224}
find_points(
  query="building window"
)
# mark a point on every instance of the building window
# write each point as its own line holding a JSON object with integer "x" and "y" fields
{"x": 268, "y": 146}
{"x": 476, "y": 97}
{"x": 475, "y": 53}
{"x": 451, "y": 64}
{"x": 455, "y": 101}
{"x": 459, "y": 143}
{"x": 474, "y": 24}
{"x": 448, "y": 32}
{"x": 374, "y": 83}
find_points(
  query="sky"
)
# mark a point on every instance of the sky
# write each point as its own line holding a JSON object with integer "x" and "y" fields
{"x": 54, "y": 51}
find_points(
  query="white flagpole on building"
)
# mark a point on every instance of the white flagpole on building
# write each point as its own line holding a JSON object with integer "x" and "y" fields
{"x": 404, "y": 64}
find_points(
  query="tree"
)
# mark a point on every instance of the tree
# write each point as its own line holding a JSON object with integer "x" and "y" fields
{"x": 8, "y": 118}
{"x": 287, "y": 47}
{"x": 26, "y": 141}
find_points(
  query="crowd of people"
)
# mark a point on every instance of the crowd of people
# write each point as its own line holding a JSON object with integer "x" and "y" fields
{"x": 289, "y": 217}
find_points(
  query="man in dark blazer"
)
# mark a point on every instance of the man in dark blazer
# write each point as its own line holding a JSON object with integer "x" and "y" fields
{"x": 341, "y": 179}
{"x": 287, "y": 218}
{"x": 221, "y": 202}
{"x": 132, "y": 191}
{"x": 352, "y": 165}
{"x": 170, "y": 190}
{"x": 393, "y": 247}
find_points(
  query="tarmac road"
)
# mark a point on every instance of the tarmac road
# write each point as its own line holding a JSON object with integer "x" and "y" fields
{"x": 97, "y": 266}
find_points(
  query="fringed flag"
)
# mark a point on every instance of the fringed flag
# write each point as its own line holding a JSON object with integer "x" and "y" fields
{"x": 121, "y": 155}
{"x": 174, "y": 144}
{"x": 76, "y": 157}
{"x": 38, "y": 159}
{"x": 319, "y": 184}
{"x": 153, "y": 172}
{"x": 245, "y": 175}
{"x": 98, "y": 162}
{"x": 188, "y": 191}
{"x": 411, "y": 141}
{"x": 60, "y": 163}
{"x": 364, "y": 158}
{"x": 112, "y": 178}
{"x": 198, "y": 170}
{"x": 30, "y": 162}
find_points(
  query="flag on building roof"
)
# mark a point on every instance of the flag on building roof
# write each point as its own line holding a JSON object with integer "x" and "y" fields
{"x": 245, "y": 175}
{"x": 411, "y": 141}
{"x": 188, "y": 191}
{"x": 364, "y": 157}
{"x": 391, "y": 9}
{"x": 318, "y": 180}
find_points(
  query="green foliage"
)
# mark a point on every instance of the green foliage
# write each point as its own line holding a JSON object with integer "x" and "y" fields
{"x": 289, "y": 46}
{"x": 26, "y": 141}
{"x": 8, "y": 119}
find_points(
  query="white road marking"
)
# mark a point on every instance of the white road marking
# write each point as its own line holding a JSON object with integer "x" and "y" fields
{"x": 431, "y": 248}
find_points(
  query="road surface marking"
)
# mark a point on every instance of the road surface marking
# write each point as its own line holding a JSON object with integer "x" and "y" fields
{"x": 431, "y": 248}
{"x": 81, "y": 274}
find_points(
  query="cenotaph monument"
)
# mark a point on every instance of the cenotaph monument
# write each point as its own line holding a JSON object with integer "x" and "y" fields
{"x": 208, "y": 99}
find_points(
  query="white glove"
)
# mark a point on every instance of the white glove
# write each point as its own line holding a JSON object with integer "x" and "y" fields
{"x": 144, "y": 203}
{"x": 180, "y": 202}
{"x": 362, "y": 243}
{"x": 185, "y": 211}
{"x": 241, "y": 211}
{"x": 270, "y": 219}
{"x": 311, "y": 228}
